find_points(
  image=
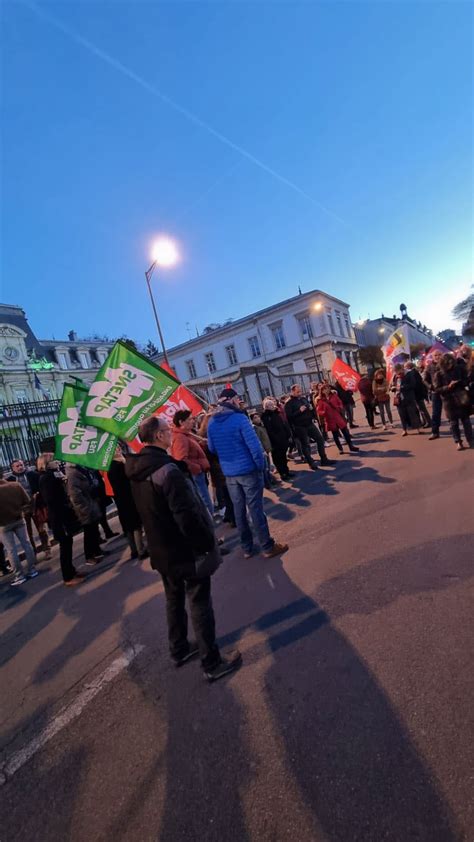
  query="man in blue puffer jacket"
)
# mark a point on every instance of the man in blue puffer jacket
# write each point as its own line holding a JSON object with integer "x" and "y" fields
{"x": 231, "y": 436}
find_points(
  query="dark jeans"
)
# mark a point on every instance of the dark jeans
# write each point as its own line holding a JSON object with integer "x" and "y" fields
{"x": 370, "y": 414}
{"x": 425, "y": 415}
{"x": 436, "y": 407}
{"x": 305, "y": 434}
{"x": 198, "y": 592}
{"x": 246, "y": 491}
{"x": 384, "y": 407}
{"x": 349, "y": 413}
{"x": 224, "y": 501}
{"x": 456, "y": 430}
{"x": 280, "y": 461}
{"x": 91, "y": 540}
{"x": 337, "y": 438}
{"x": 409, "y": 417}
{"x": 65, "y": 557}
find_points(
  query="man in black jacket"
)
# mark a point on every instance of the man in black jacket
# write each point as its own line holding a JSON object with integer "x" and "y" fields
{"x": 182, "y": 546}
{"x": 300, "y": 419}
{"x": 436, "y": 403}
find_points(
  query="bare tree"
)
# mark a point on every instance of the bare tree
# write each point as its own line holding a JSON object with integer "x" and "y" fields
{"x": 462, "y": 311}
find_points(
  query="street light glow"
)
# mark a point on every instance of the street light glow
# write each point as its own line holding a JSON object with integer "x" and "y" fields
{"x": 318, "y": 306}
{"x": 165, "y": 252}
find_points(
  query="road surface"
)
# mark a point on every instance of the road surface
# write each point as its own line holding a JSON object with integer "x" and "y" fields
{"x": 351, "y": 718}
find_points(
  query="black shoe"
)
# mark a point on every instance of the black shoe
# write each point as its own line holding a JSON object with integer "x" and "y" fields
{"x": 354, "y": 426}
{"x": 228, "y": 664}
{"x": 433, "y": 436}
{"x": 354, "y": 449}
{"x": 110, "y": 535}
{"x": 193, "y": 652}
{"x": 133, "y": 556}
{"x": 313, "y": 466}
{"x": 224, "y": 551}
{"x": 144, "y": 555}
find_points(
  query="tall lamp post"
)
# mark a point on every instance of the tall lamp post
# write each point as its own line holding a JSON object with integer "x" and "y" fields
{"x": 165, "y": 254}
{"x": 317, "y": 307}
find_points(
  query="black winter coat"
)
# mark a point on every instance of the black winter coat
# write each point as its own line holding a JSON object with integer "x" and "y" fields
{"x": 453, "y": 399}
{"x": 295, "y": 417}
{"x": 278, "y": 431}
{"x": 126, "y": 508}
{"x": 61, "y": 517}
{"x": 421, "y": 391}
{"x": 177, "y": 524}
{"x": 83, "y": 491}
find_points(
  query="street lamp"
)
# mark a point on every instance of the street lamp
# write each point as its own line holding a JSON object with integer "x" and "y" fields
{"x": 165, "y": 254}
{"x": 317, "y": 307}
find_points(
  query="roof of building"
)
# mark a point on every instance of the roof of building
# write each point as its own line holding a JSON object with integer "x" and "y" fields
{"x": 12, "y": 314}
{"x": 230, "y": 327}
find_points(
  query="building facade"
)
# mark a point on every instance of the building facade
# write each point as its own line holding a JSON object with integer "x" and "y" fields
{"x": 296, "y": 340}
{"x": 377, "y": 331}
{"x": 33, "y": 369}
{"x": 32, "y": 377}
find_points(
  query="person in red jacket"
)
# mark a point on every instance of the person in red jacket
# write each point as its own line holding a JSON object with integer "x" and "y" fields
{"x": 331, "y": 408}
{"x": 186, "y": 448}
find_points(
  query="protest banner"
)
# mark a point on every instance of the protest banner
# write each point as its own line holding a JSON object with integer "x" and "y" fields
{"x": 345, "y": 375}
{"x": 128, "y": 387}
{"x": 78, "y": 443}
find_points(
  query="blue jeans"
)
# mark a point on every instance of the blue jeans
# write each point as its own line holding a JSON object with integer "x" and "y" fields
{"x": 11, "y": 534}
{"x": 246, "y": 491}
{"x": 203, "y": 489}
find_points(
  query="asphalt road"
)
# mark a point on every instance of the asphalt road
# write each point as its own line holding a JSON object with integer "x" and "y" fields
{"x": 351, "y": 718}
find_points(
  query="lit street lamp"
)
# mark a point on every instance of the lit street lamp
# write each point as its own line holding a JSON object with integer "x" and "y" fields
{"x": 165, "y": 254}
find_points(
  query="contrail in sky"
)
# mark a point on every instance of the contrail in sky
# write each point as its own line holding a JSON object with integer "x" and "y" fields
{"x": 193, "y": 118}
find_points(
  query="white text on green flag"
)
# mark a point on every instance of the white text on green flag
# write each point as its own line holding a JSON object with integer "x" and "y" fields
{"x": 127, "y": 388}
{"x": 83, "y": 445}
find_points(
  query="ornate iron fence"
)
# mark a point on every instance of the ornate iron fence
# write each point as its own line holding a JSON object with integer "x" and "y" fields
{"x": 23, "y": 426}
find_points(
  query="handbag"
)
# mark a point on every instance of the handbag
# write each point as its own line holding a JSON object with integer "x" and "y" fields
{"x": 461, "y": 399}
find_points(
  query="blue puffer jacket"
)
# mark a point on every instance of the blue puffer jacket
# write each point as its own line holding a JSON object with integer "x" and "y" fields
{"x": 231, "y": 435}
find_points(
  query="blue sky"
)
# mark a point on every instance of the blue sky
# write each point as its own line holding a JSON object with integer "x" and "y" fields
{"x": 333, "y": 149}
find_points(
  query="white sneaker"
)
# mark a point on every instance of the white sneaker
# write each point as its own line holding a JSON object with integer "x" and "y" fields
{"x": 385, "y": 426}
{"x": 18, "y": 580}
{"x": 33, "y": 573}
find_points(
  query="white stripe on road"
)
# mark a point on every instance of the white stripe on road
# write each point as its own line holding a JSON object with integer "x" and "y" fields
{"x": 66, "y": 716}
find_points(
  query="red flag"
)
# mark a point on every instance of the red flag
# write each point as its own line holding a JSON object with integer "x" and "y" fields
{"x": 181, "y": 398}
{"x": 345, "y": 375}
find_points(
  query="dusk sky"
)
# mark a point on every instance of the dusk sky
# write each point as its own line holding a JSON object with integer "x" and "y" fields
{"x": 284, "y": 144}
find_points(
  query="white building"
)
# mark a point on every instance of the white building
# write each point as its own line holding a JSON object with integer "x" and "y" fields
{"x": 377, "y": 331}
{"x": 296, "y": 340}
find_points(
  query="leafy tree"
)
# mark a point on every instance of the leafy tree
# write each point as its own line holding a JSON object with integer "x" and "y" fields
{"x": 371, "y": 355}
{"x": 150, "y": 349}
{"x": 129, "y": 342}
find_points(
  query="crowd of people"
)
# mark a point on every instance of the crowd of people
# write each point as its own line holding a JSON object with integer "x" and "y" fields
{"x": 198, "y": 472}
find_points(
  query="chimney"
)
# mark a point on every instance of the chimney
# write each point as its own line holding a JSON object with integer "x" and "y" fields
{"x": 72, "y": 336}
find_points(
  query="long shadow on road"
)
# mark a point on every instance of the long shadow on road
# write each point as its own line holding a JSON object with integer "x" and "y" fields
{"x": 357, "y": 769}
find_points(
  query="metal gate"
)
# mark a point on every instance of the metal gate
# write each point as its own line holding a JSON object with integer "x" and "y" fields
{"x": 23, "y": 426}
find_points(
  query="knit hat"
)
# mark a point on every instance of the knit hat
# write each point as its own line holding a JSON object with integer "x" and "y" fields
{"x": 227, "y": 394}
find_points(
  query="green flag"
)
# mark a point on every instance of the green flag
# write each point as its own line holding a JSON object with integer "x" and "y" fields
{"x": 76, "y": 443}
{"x": 127, "y": 388}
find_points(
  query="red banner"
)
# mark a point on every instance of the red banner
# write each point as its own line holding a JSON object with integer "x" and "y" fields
{"x": 182, "y": 398}
{"x": 345, "y": 375}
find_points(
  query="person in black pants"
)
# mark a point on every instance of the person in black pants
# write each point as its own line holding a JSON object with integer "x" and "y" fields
{"x": 279, "y": 434}
{"x": 83, "y": 491}
{"x": 347, "y": 399}
{"x": 436, "y": 401}
{"x": 182, "y": 545}
{"x": 421, "y": 393}
{"x": 61, "y": 517}
{"x": 300, "y": 418}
